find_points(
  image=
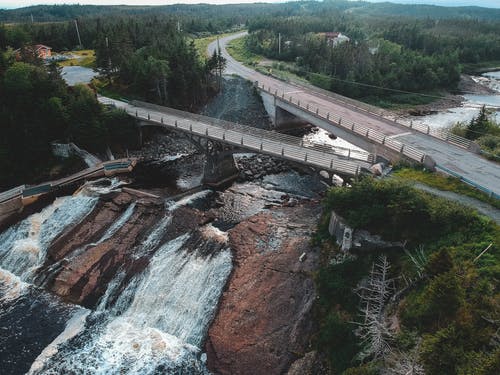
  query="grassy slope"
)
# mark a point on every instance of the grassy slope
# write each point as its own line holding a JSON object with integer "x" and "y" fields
{"x": 446, "y": 183}
{"x": 86, "y": 58}
{"x": 201, "y": 44}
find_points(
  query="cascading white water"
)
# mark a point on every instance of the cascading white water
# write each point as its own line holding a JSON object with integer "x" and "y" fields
{"x": 160, "y": 319}
{"x": 23, "y": 247}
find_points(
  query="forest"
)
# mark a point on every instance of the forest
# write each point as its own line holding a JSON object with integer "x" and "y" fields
{"x": 384, "y": 56}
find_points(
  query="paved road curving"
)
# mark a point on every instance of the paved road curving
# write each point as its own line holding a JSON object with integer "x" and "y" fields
{"x": 469, "y": 165}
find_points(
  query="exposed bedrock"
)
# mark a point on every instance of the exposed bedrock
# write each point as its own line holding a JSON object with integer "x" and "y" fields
{"x": 264, "y": 323}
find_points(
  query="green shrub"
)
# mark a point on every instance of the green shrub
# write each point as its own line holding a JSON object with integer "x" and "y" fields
{"x": 336, "y": 339}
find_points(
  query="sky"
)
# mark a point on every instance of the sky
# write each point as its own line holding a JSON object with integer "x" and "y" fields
{"x": 22, "y": 3}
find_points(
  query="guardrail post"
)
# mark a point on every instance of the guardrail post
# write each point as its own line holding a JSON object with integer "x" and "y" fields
{"x": 411, "y": 124}
{"x": 241, "y": 140}
{"x": 162, "y": 120}
{"x": 401, "y": 149}
{"x": 261, "y": 146}
{"x": 206, "y": 132}
{"x": 190, "y": 127}
{"x": 224, "y": 136}
{"x": 301, "y": 143}
{"x": 349, "y": 154}
{"x": 149, "y": 117}
{"x": 383, "y": 140}
{"x": 136, "y": 114}
{"x": 298, "y": 103}
{"x": 317, "y": 110}
{"x": 367, "y": 132}
{"x": 428, "y": 129}
{"x": 307, "y": 106}
{"x": 175, "y": 124}
{"x": 328, "y": 116}
{"x": 282, "y": 151}
{"x": 331, "y": 164}
{"x": 305, "y": 157}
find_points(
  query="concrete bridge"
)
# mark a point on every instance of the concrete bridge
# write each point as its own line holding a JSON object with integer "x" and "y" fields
{"x": 368, "y": 127}
{"x": 14, "y": 200}
{"x": 344, "y": 162}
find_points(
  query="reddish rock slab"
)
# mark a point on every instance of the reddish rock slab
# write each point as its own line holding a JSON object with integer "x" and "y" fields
{"x": 263, "y": 323}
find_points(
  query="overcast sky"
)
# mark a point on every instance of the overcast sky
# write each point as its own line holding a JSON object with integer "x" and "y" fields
{"x": 23, "y": 3}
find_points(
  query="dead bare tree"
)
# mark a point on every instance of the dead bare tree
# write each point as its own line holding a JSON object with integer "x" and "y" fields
{"x": 404, "y": 364}
{"x": 374, "y": 331}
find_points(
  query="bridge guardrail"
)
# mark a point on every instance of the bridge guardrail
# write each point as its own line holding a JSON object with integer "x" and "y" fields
{"x": 236, "y": 135}
{"x": 489, "y": 192}
{"x": 441, "y": 134}
{"x": 11, "y": 193}
{"x": 280, "y": 137}
{"x": 408, "y": 151}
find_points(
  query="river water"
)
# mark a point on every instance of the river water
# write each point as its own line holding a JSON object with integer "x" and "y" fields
{"x": 470, "y": 107}
{"x": 152, "y": 322}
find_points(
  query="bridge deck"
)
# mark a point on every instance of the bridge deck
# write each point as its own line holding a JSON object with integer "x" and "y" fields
{"x": 445, "y": 149}
{"x": 258, "y": 140}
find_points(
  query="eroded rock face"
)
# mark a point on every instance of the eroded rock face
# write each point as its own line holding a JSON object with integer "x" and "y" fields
{"x": 264, "y": 322}
{"x": 83, "y": 261}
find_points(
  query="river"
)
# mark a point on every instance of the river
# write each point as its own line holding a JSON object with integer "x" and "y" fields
{"x": 470, "y": 106}
{"x": 149, "y": 311}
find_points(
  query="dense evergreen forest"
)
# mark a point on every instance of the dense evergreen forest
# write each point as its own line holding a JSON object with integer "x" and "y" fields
{"x": 240, "y": 13}
{"x": 147, "y": 57}
{"x": 36, "y": 108}
{"x": 404, "y": 53}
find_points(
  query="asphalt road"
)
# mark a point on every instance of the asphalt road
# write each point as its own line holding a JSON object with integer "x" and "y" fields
{"x": 460, "y": 161}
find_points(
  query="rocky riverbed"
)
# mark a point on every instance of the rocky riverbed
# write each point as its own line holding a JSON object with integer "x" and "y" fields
{"x": 158, "y": 270}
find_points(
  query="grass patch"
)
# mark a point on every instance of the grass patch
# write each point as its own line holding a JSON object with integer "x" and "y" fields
{"x": 402, "y": 101}
{"x": 85, "y": 58}
{"x": 201, "y": 44}
{"x": 237, "y": 48}
{"x": 481, "y": 67}
{"x": 446, "y": 183}
{"x": 105, "y": 88}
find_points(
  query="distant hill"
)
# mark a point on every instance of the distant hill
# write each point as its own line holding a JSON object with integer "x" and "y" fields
{"x": 424, "y": 11}
{"x": 48, "y": 13}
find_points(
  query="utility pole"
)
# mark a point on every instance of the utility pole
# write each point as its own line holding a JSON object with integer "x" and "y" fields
{"x": 109, "y": 59}
{"x": 32, "y": 20}
{"x": 78, "y": 33}
{"x": 279, "y": 43}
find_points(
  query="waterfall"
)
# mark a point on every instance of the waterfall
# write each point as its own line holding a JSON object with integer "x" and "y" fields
{"x": 24, "y": 246}
{"x": 159, "y": 321}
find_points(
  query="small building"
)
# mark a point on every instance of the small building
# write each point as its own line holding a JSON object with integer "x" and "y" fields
{"x": 40, "y": 51}
{"x": 335, "y": 38}
{"x": 43, "y": 51}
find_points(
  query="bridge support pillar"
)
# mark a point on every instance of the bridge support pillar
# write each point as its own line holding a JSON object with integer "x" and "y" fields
{"x": 220, "y": 169}
{"x": 285, "y": 120}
